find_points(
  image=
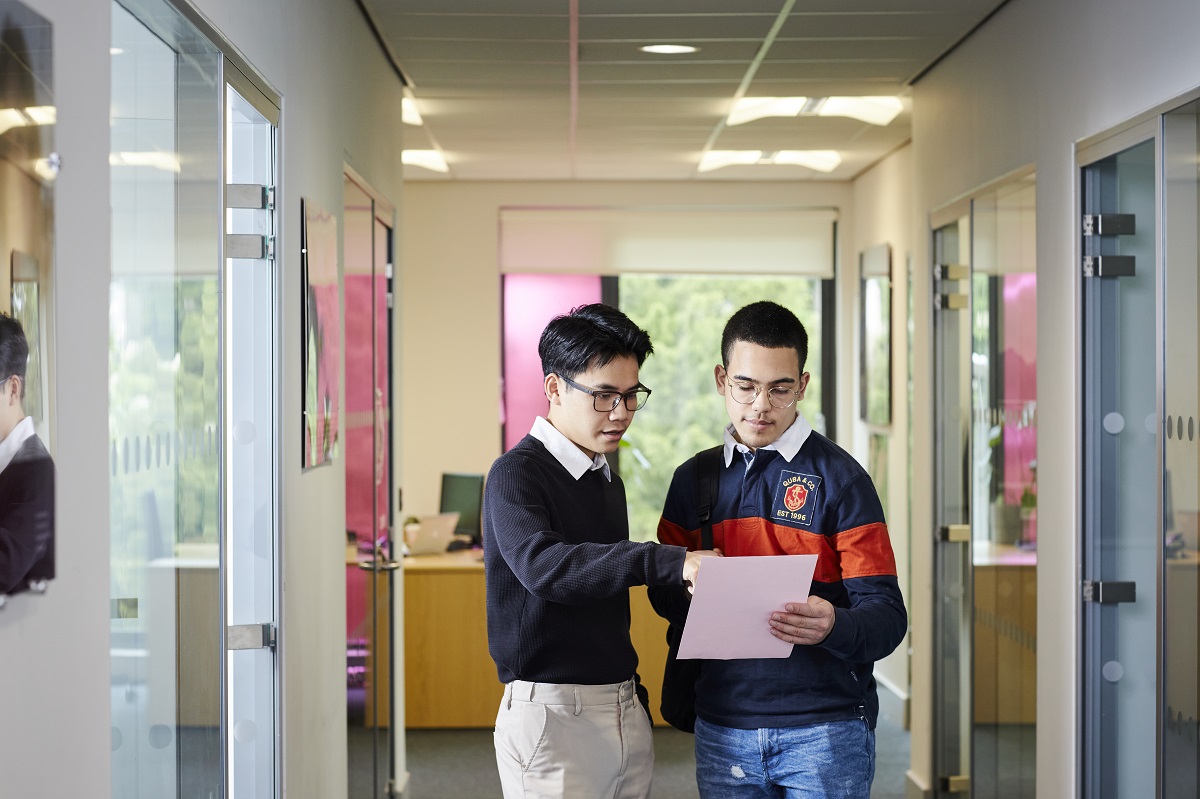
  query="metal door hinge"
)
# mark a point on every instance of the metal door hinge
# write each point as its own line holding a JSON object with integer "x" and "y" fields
{"x": 951, "y": 302}
{"x": 959, "y": 783}
{"x": 1108, "y": 266}
{"x": 955, "y": 533}
{"x": 388, "y": 272}
{"x": 1109, "y": 592}
{"x": 250, "y": 636}
{"x": 245, "y": 245}
{"x": 953, "y": 271}
{"x": 246, "y": 195}
{"x": 1109, "y": 224}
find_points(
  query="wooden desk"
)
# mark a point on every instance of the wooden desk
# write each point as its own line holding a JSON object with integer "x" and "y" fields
{"x": 449, "y": 677}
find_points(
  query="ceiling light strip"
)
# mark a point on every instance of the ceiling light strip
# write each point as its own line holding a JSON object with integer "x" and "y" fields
{"x": 748, "y": 78}
{"x": 574, "y": 79}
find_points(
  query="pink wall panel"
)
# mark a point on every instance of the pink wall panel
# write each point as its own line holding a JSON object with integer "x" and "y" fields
{"x": 530, "y": 302}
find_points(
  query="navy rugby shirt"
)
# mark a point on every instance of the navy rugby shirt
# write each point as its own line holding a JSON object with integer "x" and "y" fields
{"x": 559, "y": 566}
{"x": 802, "y": 495}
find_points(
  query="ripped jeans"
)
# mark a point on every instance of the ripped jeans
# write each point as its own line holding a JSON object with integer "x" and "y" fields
{"x": 835, "y": 760}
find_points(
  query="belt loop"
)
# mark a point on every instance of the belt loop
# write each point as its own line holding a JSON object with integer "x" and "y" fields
{"x": 578, "y": 703}
{"x": 508, "y": 696}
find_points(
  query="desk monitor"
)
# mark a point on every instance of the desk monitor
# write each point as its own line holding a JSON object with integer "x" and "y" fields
{"x": 464, "y": 493}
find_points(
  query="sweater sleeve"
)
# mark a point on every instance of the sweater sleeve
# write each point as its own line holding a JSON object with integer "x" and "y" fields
{"x": 26, "y": 521}
{"x": 876, "y": 621}
{"x": 679, "y": 513}
{"x": 555, "y": 570}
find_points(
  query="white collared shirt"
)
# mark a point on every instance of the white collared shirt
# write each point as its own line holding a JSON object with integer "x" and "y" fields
{"x": 566, "y": 452}
{"x": 787, "y": 444}
{"x": 13, "y": 441}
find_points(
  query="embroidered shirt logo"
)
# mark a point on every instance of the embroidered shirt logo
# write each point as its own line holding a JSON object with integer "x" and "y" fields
{"x": 796, "y": 499}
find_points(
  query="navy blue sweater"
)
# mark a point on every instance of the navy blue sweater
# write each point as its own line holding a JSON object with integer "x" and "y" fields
{"x": 559, "y": 566}
{"x": 822, "y": 502}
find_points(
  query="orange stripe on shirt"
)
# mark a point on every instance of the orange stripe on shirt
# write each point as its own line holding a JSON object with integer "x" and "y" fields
{"x": 866, "y": 551}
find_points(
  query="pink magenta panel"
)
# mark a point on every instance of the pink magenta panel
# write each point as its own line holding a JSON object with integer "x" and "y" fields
{"x": 530, "y": 302}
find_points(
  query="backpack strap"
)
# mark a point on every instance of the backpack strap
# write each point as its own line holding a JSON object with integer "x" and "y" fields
{"x": 708, "y": 475}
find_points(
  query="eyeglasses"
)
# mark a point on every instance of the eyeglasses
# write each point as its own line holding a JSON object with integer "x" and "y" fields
{"x": 607, "y": 401}
{"x": 746, "y": 393}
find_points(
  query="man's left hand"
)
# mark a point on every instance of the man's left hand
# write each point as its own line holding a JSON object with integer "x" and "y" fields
{"x": 803, "y": 623}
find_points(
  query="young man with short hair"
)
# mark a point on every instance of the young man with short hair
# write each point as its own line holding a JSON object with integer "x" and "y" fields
{"x": 559, "y": 566}
{"x": 801, "y": 726}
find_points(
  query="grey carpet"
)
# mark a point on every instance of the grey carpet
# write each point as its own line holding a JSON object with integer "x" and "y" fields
{"x": 460, "y": 764}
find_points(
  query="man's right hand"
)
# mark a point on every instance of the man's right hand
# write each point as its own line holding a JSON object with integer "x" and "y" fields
{"x": 691, "y": 566}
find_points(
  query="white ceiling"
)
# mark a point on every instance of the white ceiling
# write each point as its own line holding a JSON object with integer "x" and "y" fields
{"x": 558, "y": 89}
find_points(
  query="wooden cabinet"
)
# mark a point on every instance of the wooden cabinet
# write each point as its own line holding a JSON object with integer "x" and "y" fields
{"x": 1005, "y": 642}
{"x": 449, "y": 677}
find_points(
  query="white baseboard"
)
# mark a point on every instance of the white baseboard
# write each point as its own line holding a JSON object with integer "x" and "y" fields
{"x": 915, "y": 788}
{"x": 894, "y": 703}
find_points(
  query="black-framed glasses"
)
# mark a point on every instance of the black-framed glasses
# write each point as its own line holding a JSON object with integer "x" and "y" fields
{"x": 606, "y": 401}
{"x": 746, "y": 393}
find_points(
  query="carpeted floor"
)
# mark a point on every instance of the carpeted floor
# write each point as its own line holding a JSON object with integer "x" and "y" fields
{"x": 460, "y": 764}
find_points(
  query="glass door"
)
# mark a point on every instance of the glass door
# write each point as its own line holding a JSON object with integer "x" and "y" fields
{"x": 370, "y": 561}
{"x": 1004, "y": 491}
{"x": 952, "y": 486}
{"x": 1181, "y": 480}
{"x": 250, "y": 434}
{"x": 193, "y": 388}
{"x": 1122, "y": 466}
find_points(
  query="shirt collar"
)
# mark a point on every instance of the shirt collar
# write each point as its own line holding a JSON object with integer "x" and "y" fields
{"x": 566, "y": 453}
{"x": 787, "y": 444}
{"x": 13, "y": 441}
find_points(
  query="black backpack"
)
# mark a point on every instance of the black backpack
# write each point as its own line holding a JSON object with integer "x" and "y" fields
{"x": 678, "y": 704}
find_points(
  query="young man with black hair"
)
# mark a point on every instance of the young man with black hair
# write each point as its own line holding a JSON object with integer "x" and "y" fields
{"x": 801, "y": 726}
{"x": 26, "y": 474}
{"x": 559, "y": 565}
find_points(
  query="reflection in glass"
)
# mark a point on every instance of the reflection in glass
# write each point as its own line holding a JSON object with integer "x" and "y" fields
{"x": 1004, "y": 489}
{"x": 163, "y": 412}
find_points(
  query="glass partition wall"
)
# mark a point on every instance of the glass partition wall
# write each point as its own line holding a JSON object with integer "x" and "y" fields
{"x": 193, "y": 518}
{"x": 985, "y": 494}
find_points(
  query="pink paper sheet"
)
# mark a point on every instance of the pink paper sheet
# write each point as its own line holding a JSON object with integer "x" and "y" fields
{"x": 733, "y": 603}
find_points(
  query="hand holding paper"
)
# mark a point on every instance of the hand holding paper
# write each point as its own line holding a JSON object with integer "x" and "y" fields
{"x": 734, "y": 601}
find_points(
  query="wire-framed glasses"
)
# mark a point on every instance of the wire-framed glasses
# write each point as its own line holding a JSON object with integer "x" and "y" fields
{"x": 746, "y": 393}
{"x": 606, "y": 401}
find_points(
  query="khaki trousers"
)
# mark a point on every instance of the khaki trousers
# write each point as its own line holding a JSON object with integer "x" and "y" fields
{"x": 573, "y": 742}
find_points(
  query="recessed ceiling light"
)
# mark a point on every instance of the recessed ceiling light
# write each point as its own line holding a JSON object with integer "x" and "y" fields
{"x": 669, "y": 49}
{"x": 115, "y": 51}
{"x": 427, "y": 159}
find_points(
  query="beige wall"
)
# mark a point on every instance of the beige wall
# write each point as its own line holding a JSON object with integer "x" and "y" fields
{"x": 883, "y": 213}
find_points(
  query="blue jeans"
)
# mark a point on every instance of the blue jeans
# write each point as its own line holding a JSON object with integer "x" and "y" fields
{"x": 830, "y": 761}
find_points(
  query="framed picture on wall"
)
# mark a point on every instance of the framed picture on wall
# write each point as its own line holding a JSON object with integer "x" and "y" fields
{"x": 875, "y": 335}
{"x": 322, "y": 350}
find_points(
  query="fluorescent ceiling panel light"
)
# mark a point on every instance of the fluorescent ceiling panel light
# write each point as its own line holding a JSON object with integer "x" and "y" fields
{"x": 819, "y": 160}
{"x": 669, "y": 49}
{"x": 115, "y": 51}
{"x": 24, "y": 117}
{"x": 749, "y": 109}
{"x": 716, "y": 159}
{"x": 872, "y": 110}
{"x": 426, "y": 159}
{"x": 409, "y": 113}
